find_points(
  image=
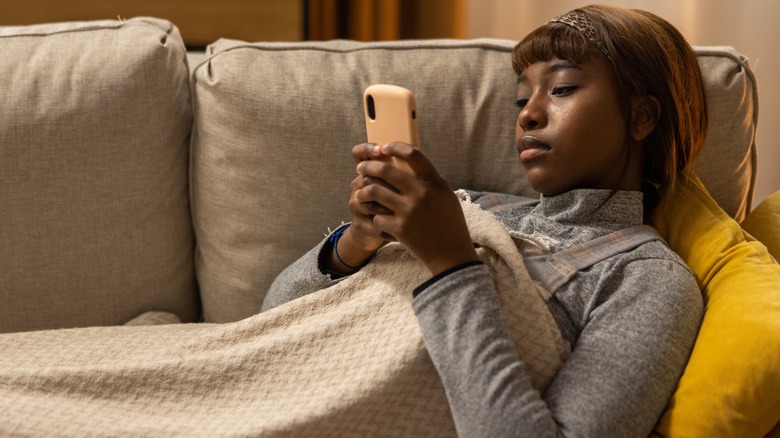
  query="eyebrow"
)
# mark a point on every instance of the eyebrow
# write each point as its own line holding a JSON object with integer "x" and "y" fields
{"x": 554, "y": 67}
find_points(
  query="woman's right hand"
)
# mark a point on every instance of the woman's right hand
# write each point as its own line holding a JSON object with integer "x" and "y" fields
{"x": 363, "y": 232}
{"x": 361, "y": 240}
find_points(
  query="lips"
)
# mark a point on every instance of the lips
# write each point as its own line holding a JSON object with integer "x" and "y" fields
{"x": 531, "y": 147}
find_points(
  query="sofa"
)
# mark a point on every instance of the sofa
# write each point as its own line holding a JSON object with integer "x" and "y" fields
{"x": 140, "y": 183}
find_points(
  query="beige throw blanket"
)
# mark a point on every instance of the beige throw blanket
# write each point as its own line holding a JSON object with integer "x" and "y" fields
{"x": 345, "y": 361}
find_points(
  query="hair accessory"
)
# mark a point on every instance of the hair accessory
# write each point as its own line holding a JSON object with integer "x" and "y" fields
{"x": 582, "y": 23}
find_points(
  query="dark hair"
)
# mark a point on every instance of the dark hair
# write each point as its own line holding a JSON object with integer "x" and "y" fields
{"x": 649, "y": 56}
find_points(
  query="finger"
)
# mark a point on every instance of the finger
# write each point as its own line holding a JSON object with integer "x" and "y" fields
{"x": 417, "y": 161}
{"x": 366, "y": 151}
{"x": 378, "y": 193}
{"x": 382, "y": 223}
{"x": 370, "y": 209}
{"x": 384, "y": 171}
{"x": 360, "y": 202}
{"x": 363, "y": 180}
{"x": 389, "y": 195}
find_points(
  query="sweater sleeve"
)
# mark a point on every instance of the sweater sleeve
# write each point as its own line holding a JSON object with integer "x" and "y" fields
{"x": 301, "y": 278}
{"x": 486, "y": 383}
{"x": 617, "y": 381}
{"x": 631, "y": 351}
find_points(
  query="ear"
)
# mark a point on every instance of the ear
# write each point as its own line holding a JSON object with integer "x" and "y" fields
{"x": 645, "y": 112}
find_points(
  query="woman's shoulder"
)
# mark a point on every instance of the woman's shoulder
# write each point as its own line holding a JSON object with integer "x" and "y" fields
{"x": 655, "y": 252}
{"x": 653, "y": 266}
{"x": 622, "y": 246}
{"x": 650, "y": 279}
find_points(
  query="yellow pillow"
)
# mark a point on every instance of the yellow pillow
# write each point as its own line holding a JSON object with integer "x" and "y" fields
{"x": 763, "y": 223}
{"x": 731, "y": 385}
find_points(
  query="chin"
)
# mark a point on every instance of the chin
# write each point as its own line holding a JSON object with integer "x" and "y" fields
{"x": 546, "y": 189}
{"x": 550, "y": 193}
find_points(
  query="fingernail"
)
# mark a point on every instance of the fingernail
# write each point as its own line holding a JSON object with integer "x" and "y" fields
{"x": 375, "y": 148}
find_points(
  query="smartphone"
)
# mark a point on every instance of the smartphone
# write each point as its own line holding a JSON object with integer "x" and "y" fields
{"x": 391, "y": 115}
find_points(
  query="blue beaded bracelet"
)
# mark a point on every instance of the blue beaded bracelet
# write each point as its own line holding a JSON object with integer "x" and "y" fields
{"x": 334, "y": 240}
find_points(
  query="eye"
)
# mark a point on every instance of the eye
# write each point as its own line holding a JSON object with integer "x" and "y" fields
{"x": 520, "y": 103}
{"x": 562, "y": 91}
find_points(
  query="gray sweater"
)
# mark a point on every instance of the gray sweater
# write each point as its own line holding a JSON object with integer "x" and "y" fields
{"x": 631, "y": 321}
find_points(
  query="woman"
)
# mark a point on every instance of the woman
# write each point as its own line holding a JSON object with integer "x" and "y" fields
{"x": 612, "y": 111}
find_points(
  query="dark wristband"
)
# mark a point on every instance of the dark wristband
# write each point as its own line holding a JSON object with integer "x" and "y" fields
{"x": 418, "y": 290}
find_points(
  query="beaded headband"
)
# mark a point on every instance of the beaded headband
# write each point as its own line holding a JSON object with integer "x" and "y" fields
{"x": 580, "y": 21}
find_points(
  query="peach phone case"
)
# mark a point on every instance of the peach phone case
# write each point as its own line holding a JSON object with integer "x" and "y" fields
{"x": 391, "y": 115}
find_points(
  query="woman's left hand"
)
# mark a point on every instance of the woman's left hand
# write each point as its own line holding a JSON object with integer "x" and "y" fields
{"x": 419, "y": 210}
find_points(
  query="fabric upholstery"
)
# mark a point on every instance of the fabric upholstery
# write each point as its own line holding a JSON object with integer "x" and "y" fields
{"x": 274, "y": 127}
{"x": 730, "y": 385}
{"x": 94, "y": 126}
{"x": 727, "y": 164}
{"x": 763, "y": 223}
{"x": 275, "y": 123}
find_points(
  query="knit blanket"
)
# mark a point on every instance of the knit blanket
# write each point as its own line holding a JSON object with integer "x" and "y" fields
{"x": 344, "y": 361}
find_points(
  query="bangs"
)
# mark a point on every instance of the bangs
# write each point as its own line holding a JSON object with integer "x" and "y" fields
{"x": 552, "y": 40}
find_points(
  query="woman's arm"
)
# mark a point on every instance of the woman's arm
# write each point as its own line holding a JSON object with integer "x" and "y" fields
{"x": 326, "y": 263}
{"x": 632, "y": 350}
{"x": 306, "y": 275}
{"x": 617, "y": 381}
{"x": 487, "y": 385}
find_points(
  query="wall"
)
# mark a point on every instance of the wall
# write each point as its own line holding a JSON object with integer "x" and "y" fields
{"x": 199, "y": 21}
{"x": 748, "y": 25}
{"x": 379, "y": 20}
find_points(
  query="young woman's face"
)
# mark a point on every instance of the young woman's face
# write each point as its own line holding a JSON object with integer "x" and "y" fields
{"x": 571, "y": 132}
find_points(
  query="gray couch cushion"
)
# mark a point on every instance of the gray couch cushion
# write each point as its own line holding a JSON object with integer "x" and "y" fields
{"x": 94, "y": 126}
{"x": 727, "y": 164}
{"x": 275, "y": 123}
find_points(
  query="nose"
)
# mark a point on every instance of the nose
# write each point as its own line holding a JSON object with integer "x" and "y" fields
{"x": 532, "y": 115}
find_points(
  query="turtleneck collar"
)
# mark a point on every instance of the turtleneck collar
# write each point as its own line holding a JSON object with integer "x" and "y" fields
{"x": 624, "y": 209}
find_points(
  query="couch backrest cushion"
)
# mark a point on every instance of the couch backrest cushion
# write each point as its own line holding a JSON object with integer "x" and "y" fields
{"x": 727, "y": 164}
{"x": 275, "y": 123}
{"x": 95, "y": 225}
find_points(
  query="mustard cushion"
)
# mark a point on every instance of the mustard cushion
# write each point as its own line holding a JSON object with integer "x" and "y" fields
{"x": 731, "y": 384}
{"x": 763, "y": 223}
